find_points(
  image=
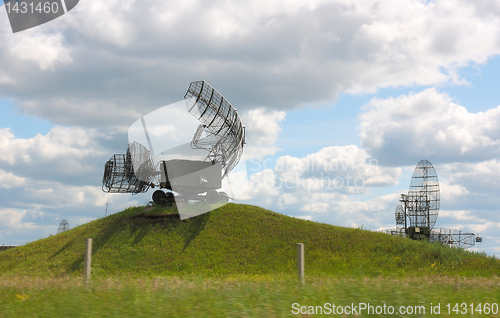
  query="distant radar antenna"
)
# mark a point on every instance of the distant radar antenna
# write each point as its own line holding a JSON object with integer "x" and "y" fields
{"x": 419, "y": 209}
{"x": 63, "y": 227}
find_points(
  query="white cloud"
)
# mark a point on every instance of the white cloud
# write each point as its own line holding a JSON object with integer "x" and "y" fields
{"x": 261, "y": 187}
{"x": 106, "y": 21}
{"x": 377, "y": 213}
{"x": 11, "y": 217}
{"x": 458, "y": 215}
{"x": 304, "y": 217}
{"x": 262, "y": 130}
{"x": 107, "y": 61}
{"x": 468, "y": 220}
{"x": 316, "y": 207}
{"x": 62, "y": 154}
{"x": 46, "y": 51}
{"x": 346, "y": 169}
{"x": 482, "y": 177}
{"x": 429, "y": 125}
{"x": 320, "y": 183}
{"x": 9, "y": 180}
{"x": 451, "y": 192}
{"x": 105, "y": 64}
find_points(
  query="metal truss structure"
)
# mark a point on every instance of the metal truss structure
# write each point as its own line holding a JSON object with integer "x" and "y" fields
{"x": 195, "y": 171}
{"x": 455, "y": 238}
{"x": 419, "y": 209}
{"x": 119, "y": 175}
{"x": 422, "y": 202}
{"x": 224, "y": 133}
{"x": 63, "y": 227}
{"x": 400, "y": 217}
{"x": 395, "y": 232}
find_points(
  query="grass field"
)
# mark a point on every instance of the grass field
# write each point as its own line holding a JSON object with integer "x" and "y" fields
{"x": 267, "y": 296}
{"x": 237, "y": 261}
{"x": 235, "y": 240}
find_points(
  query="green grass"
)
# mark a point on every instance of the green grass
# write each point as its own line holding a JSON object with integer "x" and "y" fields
{"x": 242, "y": 297}
{"x": 235, "y": 240}
{"x": 236, "y": 261}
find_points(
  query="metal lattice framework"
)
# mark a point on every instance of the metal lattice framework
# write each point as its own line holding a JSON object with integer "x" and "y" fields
{"x": 400, "y": 216}
{"x": 119, "y": 176}
{"x": 418, "y": 211}
{"x": 142, "y": 162}
{"x": 63, "y": 227}
{"x": 186, "y": 171}
{"x": 224, "y": 133}
{"x": 422, "y": 201}
{"x": 455, "y": 238}
{"x": 395, "y": 232}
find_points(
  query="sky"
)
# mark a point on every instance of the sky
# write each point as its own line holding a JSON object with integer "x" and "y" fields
{"x": 340, "y": 99}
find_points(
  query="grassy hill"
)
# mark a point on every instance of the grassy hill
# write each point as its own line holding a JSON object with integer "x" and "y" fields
{"x": 235, "y": 240}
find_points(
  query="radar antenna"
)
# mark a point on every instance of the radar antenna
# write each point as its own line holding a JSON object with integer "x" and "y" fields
{"x": 185, "y": 173}
{"x": 224, "y": 133}
{"x": 63, "y": 227}
{"x": 400, "y": 216}
{"x": 419, "y": 209}
{"x": 119, "y": 175}
{"x": 422, "y": 201}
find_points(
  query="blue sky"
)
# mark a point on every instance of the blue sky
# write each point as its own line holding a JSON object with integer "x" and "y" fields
{"x": 315, "y": 82}
{"x": 22, "y": 126}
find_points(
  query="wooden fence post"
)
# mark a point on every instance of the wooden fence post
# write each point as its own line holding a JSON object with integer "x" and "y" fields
{"x": 300, "y": 262}
{"x": 87, "y": 259}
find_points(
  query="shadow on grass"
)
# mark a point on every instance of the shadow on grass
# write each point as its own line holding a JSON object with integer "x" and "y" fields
{"x": 193, "y": 228}
{"x": 138, "y": 224}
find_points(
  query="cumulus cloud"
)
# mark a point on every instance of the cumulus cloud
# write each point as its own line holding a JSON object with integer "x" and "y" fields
{"x": 307, "y": 194}
{"x": 471, "y": 188}
{"x": 116, "y": 59}
{"x": 430, "y": 125}
{"x": 105, "y": 64}
{"x": 466, "y": 220}
{"x": 482, "y": 177}
{"x": 262, "y": 130}
{"x": 34, "y": 209}
{"x": 11, "y": 217}
{"x": 318, "y": 182}
{"x": 53, "y": 175}
{"x": 71, "y": 155}
{"x": 49, "y": 51}
{"x": 450, "y": 192}
{"x": 347, "y": 169}
{"x": 9, "y": 180}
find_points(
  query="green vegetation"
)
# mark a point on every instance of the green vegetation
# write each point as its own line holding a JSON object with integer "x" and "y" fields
{"x": 232, "y": 241}
{"x": 238, "y": 261}
{"x": 244, "y": 297}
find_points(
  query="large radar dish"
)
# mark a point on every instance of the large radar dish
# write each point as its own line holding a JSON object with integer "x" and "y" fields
{"x": 418, "y": 212}
{"x": 422, "y": 206}
{"x": 194, "y": 173}
{"x": 221, "y": 132}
